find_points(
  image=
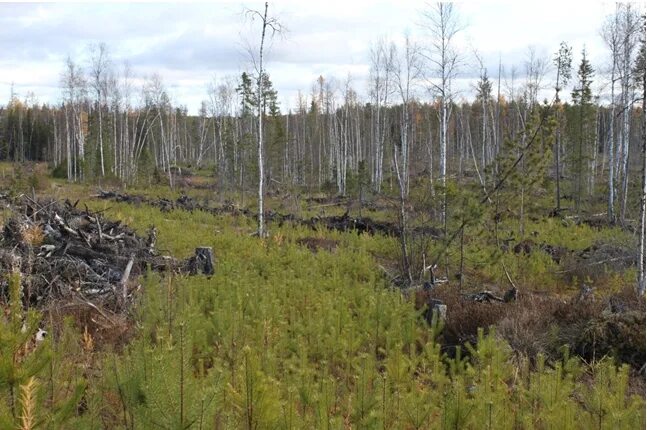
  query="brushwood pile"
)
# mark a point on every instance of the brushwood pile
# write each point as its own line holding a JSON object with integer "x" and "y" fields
{"x": 64, "y": 252}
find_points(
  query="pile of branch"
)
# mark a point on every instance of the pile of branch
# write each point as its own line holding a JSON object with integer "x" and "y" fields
{"x": 63, "y": 252}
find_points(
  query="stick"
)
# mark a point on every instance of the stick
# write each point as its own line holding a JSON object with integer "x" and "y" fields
{"x": 508, "y": 275}
{"x": 126, "y": 275}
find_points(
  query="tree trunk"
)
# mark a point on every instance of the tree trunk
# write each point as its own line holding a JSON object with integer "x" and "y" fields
{"x": 261, "y": 171}
{"x": 611, "y": 193}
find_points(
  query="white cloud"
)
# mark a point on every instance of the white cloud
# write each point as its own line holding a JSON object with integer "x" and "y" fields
{"x": 189, "y": 43}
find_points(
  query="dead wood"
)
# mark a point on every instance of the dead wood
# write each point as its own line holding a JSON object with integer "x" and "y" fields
{"x": 340, "y": 223}
{"x": 63, "y": 252}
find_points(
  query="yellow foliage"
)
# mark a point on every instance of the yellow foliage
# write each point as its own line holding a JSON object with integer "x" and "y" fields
{"x": 33, "y": 235}
{"x": 27, "y": 402}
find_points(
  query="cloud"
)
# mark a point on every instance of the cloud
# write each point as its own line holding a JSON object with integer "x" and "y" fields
{"x": 188, "y": 43}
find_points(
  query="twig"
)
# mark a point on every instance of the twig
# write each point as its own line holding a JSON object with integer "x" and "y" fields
{"x": 508, "y": 275}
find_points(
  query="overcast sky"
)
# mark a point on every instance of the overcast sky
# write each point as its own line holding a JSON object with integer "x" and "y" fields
{"x": 188, "y": 44}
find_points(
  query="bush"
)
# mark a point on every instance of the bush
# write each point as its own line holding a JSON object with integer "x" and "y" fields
{"x": 60, "y": 171}
{"x": 27, "y": 177}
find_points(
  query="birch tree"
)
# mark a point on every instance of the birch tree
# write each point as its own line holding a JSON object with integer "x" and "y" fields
{"x": 74, "y": 87}
{"x": 611, "y": 35}
{"x": 99, "y": 64}
{"x": 380, "y": 89}
{"x": 274, "y": 26}
{"x": 630, "y": 28}
{"x": 406, "y": 70}
{"x": 442, "y": 23}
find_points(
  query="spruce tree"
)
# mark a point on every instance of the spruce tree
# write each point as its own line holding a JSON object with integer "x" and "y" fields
{"x": 583, "y": 131}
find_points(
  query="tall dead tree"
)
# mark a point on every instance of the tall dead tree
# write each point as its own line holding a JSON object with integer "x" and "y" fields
{"x": 275, "y": 27}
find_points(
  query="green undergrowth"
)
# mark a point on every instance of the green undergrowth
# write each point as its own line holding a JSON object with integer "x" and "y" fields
{"x": 284, "y": 336}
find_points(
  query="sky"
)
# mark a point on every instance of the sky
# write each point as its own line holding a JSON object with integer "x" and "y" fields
{"x": 189, "y": 44}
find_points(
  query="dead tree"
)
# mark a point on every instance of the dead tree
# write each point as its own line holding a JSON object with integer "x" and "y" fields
{"x": 275, "y": 26}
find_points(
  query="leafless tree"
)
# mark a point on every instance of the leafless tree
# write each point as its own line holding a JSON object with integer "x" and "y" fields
{"x": 536, "y": 68}
{"x": 380, "y": 89}
{"x": 99, "y": 65}
{"x": 611, "y": 35}
{"x": 74, "y": 90}
{"x": 442, "y": 23}
{"x": 406, "y": 70}
{"x": 275, "y": 27}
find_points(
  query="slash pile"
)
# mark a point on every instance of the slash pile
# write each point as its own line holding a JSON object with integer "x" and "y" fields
{"x": 64, "y": 252}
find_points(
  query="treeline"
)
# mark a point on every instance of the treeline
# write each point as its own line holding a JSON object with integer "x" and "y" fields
{"x": 323, "y": 144}
{"x": 333, "y": 140}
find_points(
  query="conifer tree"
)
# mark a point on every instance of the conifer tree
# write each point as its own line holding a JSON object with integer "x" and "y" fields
{"x": 583, "y": 130}
{"x": 562, "y": 61}
{"x": 22, "y": 361}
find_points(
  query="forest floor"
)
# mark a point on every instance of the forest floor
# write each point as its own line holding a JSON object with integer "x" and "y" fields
{"x": 314, "y": 326}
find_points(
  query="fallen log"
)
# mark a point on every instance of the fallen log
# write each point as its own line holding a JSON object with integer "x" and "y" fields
{"x": 484, "y": 297}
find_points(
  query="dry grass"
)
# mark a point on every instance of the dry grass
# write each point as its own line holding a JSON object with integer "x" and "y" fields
{"x": 33, "y": 235}
{"x": 315, "y": 244}
{"x": 536, "y": 324}
{"x": 100, "y": 329}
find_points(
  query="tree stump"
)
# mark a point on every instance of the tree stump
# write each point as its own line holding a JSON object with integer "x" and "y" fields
{"x": 441, "y": 310}
{"x": 202, "y": 262}
{"x": 438, "y": 307}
